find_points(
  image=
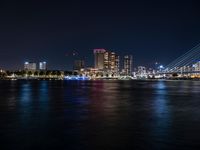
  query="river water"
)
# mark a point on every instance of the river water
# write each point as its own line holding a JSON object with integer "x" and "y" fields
{"x": 100, "y": 115}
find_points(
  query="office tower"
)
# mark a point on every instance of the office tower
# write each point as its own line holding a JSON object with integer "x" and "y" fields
{"x": 106, "y": 61}
{"x": 43, "y": 65}
{"x": 109, "y": 62}
{"x": 30, "y": 66}
{"x": 117, "y": 62}
{"x": 114, "y": 63}
{"x": 99, "y": 58}
{"x": 79, "y": 64}
{"x": 128, "y": 64}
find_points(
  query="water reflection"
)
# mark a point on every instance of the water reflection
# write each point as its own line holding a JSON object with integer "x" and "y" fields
{"x": 161, "y": 108}
{"x": 25, "y": 91}
{"x": 161, "y": 115}
{"x": 43, "y": 96}
{"x": 99, "y": 114}
{"x": 25, "y": 101}
{"x": 10, "y": 95}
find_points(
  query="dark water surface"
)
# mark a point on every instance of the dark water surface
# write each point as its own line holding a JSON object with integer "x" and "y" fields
{"x": 99, "y": 115}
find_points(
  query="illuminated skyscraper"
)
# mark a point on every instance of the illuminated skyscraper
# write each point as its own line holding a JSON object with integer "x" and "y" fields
{"x": 30, "y": 66}
{"x": 106, "y": 61}
{"x": 128, "y": 64}
{"x": 113, "y": 62}
{"x": 117, "y": 62}
{"x": 43, "y": 65}
{"x": 99, "y": 58}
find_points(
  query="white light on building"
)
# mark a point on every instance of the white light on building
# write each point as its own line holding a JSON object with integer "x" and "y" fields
{"x": 43, "y": 65}
{"x": 30, "y": 66}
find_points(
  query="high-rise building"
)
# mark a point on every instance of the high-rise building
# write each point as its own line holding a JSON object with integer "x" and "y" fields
{"x": 114, "y": 62}
{"x": 31, "y": 66}
{"x": 43, "y": 65}
{"x": 79, "y": 64}
{"x": 106, "y": 61}
{"x": 99, "y": 58}
{"x": 128, "y": 64}
{"x": 117, "y": 63}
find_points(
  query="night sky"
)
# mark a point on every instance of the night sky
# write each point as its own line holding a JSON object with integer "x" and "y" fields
{"x": 42, "y": 30}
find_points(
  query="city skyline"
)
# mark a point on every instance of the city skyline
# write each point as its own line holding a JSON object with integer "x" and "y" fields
{"x": 100, "y": 75}
{"x": 150, "y": 31}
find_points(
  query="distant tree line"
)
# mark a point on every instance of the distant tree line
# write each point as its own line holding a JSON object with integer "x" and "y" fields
{"x": 3, "y": 75}
{"x": 37, "y": 73}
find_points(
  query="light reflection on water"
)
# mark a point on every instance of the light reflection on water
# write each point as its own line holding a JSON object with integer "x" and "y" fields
{"x": 100, "y": 114}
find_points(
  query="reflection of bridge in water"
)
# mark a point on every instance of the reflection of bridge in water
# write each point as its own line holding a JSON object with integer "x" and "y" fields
{"x": 188, "y": 63}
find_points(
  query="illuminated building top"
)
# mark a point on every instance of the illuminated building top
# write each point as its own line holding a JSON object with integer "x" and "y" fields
{"x": 100, "y": 50}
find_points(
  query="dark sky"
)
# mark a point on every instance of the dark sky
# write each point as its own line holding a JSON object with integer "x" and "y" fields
{"x": 47, "y": 30}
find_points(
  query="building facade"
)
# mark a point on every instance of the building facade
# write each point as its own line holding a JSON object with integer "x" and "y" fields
{"x": 42, "y": 66}
{"x": 128, "y": 65}
{"x": 30, "y": 66}
{"x": 99, "y": 58}
{"x": 107, "y": 62}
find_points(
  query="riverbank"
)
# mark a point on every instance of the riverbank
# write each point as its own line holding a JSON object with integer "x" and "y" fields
{"x": 102, "y": 78}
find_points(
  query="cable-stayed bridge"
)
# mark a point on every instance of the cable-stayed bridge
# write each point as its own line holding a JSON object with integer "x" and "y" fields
{"x": 187, "y": 63}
